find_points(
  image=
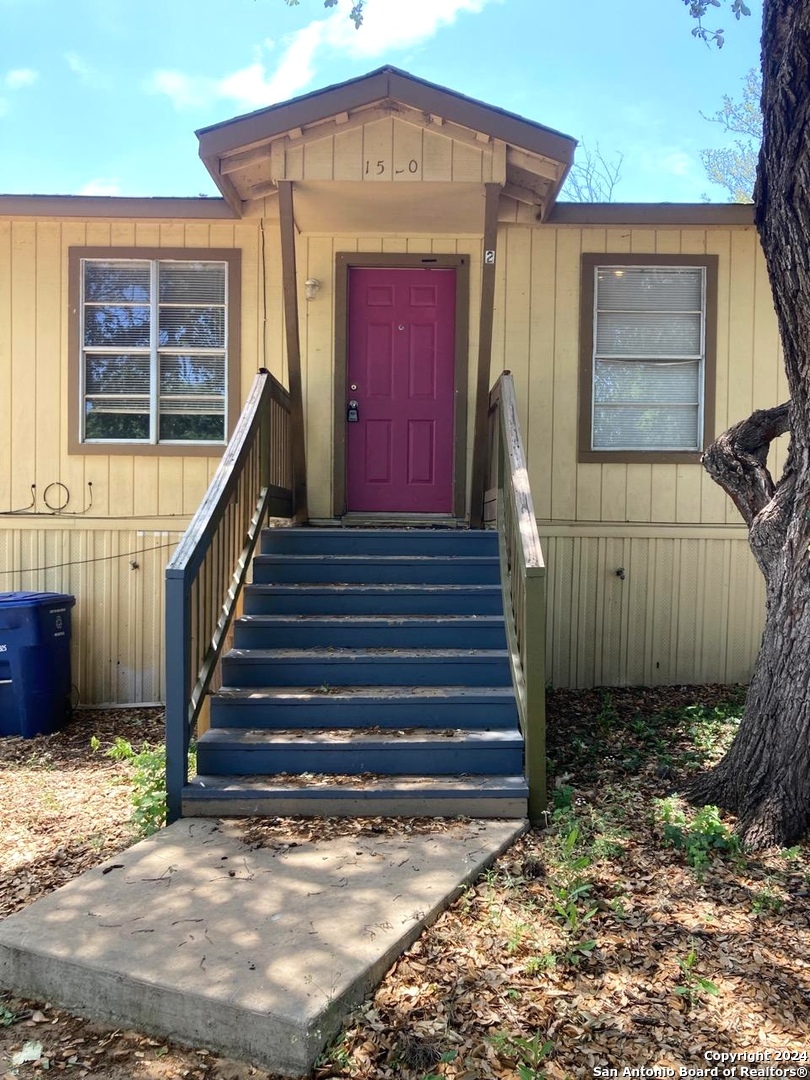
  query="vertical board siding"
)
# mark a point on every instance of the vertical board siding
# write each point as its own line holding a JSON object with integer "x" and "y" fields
{"x": 385, "y": 150}
{"x": 117, "y": 649}
{"x": 536, "y": 336}
{"x": 117, "y": 579}
{"x": 34, "y": 370}
{"x": 688, "y": 610}
{"x": 6, "y": 375}
{"x": 690, "y": 607}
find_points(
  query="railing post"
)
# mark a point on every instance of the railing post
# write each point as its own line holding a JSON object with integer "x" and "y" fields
{"x": 534, "y": 674}
{"x": 178, "y": 684}
{"x": 523, "y": 577}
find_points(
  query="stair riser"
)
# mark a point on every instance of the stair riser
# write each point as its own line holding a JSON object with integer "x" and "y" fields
{"x": 323, "y": 713}
{"x": 477, "y": 671}
{"x": 355, "y": 804}
{"x": 397, "y": 761}
{"x": 377, "y": 542}
{"x": 358, "y": 602}
{"x": 382, "y": 673}
{"x": 273, "y": 569}
{"x": 354, "y": 637}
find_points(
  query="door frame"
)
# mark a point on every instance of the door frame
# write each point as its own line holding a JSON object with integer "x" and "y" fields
{"x": 349, "y": 260}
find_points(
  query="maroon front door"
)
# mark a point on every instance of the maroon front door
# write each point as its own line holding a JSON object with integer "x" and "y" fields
{"x": 401, "y": 374}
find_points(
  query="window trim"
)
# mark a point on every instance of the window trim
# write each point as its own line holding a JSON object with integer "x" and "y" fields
{"x": 233, "y": 257}
{"x": 589, "y": 263}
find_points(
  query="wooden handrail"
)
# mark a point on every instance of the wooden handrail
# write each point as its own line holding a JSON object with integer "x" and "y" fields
{"x": 509, "y": 504}
{"x": 204, "y": 577}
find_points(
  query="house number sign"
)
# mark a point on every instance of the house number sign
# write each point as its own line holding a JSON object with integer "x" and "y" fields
{"x": 489, "y": 257}
{"x": 379, "y": 168}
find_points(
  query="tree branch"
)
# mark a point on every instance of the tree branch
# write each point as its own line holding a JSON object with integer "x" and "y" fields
{"x": 737, "y": 460}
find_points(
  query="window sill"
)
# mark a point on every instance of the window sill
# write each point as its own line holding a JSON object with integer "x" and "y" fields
{"x": 117, "y": 449}
{"x": 641, "y": 457}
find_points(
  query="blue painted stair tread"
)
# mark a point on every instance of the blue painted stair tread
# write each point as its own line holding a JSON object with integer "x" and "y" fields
{"x": 369, "y": 675}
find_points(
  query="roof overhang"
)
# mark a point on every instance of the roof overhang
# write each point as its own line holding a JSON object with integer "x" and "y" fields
{"x": 248, "y": 155}
{"x": 156, "y": 208}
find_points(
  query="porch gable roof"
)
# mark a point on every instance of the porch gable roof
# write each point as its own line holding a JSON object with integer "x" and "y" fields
{"x": 243, "y": 154}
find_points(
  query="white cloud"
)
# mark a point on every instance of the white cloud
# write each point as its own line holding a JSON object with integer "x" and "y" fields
{"x": 387, "y": 27}
{"x": 678, "y": 163}
{"x": 85, "y": 73}
{"x": 184, "y": 91}
{"x": 665, "y": 160}
{"x": 20, "y": 77}
{"x": 100, "y": 186}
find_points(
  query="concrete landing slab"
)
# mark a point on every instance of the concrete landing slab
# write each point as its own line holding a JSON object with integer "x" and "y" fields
{"x": 259, "y": 954}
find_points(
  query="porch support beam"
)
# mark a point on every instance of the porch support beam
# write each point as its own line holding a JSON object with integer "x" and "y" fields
{"x": 267, "y": 187}
{"x": 232, "y": 163}
{"x": 492, "y": 195}
{"x": 290, "y": 289}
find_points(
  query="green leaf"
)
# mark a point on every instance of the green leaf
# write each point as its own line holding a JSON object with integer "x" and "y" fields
{"x": 586, "y": 946}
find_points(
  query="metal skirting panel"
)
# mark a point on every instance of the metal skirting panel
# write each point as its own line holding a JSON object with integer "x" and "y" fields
{"x": 682, "y": 610}
{"x": 116, "y": 576}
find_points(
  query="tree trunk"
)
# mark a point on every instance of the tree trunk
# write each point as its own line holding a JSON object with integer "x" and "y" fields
{"x": 765, "y": 776}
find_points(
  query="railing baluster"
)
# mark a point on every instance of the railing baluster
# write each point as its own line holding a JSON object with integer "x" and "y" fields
{"x": 208, "y": 569}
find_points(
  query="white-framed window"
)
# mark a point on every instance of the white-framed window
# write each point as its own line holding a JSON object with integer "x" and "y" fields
{"x": 648, "y": 330}
{"x": 155, "y": 334}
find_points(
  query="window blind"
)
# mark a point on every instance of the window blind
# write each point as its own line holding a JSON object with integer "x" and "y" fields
{"x": 648, "y": 358}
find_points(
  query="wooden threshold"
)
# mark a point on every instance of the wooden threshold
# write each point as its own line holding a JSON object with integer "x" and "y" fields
{"x": 359, "y": 520}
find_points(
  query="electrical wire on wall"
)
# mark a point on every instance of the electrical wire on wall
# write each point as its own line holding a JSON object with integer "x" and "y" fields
{"x": 56, "y": 498}
{"x": 101, "y": 558}
{"x": 26, "y": 509}
{"x": 51, "y": 498}
{"x": 57, "y": 504}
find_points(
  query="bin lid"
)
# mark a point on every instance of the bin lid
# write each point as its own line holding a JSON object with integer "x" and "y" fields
{"x": 34, "y": 599}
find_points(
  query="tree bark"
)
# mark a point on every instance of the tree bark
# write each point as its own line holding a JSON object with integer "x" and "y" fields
{"x": 765, "y": 776}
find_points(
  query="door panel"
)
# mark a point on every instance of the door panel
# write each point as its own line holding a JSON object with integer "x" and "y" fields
{"x": 401, "y": 359}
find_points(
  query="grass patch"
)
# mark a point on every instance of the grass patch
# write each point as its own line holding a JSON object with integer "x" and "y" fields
{"x": 700, "y": 834}
{"x": 148, "y": 765}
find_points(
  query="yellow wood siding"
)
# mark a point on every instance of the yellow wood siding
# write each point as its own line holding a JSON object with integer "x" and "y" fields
{"x": 34, "y": 369}
{"x": 122, "y": 508}
{"x": 536, "y": 336}
{"x": 116, "y": 575}
{"x": 385, "y": 149}
{"x": 690, "y": 606}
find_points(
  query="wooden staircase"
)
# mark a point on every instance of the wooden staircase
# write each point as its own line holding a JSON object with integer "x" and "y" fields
{"x": 369, "y": 676}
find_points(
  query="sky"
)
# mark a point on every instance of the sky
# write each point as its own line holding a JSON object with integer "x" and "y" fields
{"x": 102, "y": 97}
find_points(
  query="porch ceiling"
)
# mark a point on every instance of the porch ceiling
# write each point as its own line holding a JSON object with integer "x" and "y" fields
{"x": 386, "y": 143}
{"x": 324, "y": 206}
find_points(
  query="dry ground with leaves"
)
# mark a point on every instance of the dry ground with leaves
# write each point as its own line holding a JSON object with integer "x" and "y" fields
{"x": 627, "y": 934}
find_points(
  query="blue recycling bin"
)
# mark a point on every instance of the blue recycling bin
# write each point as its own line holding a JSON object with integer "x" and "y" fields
{"x": 34, "y": 662}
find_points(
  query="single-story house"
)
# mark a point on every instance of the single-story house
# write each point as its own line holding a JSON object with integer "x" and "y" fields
{"x": 131, "y": 330}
